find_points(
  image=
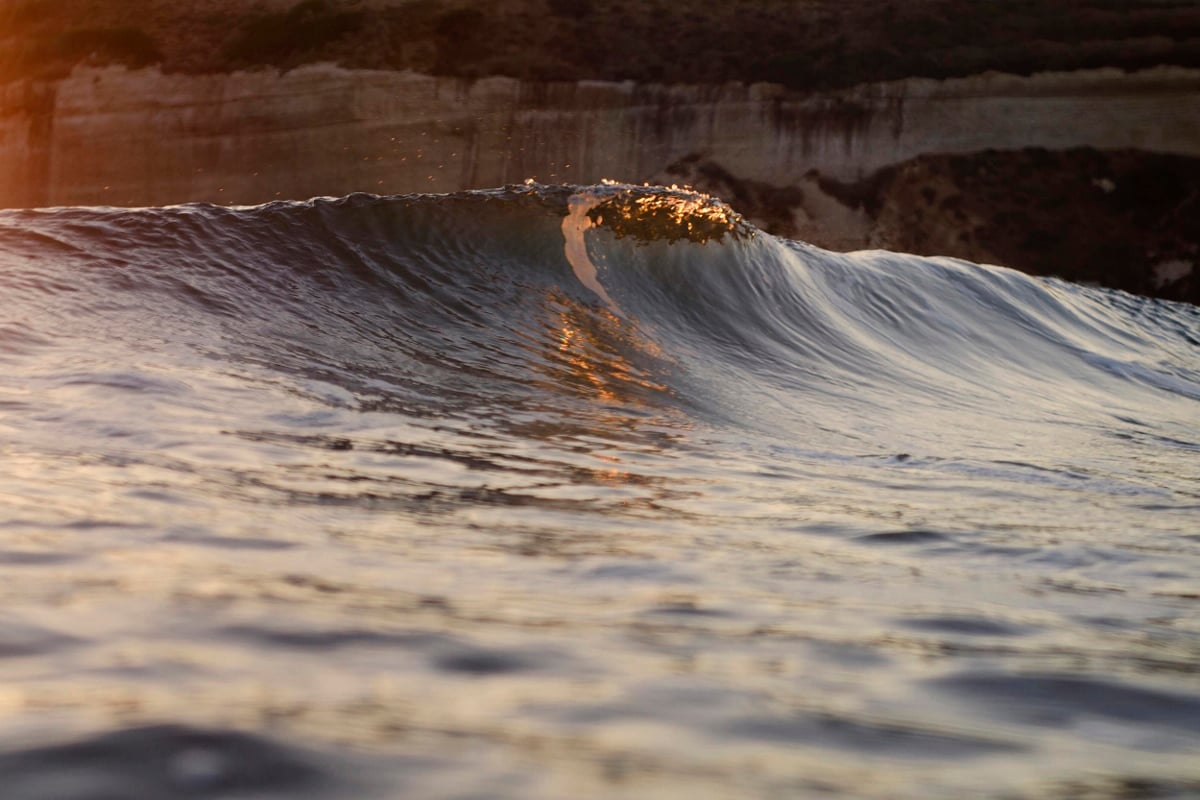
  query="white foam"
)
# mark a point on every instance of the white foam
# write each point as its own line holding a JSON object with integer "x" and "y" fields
{"x": 574, "y": 225}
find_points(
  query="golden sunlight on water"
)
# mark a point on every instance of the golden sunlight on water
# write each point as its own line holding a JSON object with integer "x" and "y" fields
{"x": 670, "y": 213}
{"x": 591, "y": 344}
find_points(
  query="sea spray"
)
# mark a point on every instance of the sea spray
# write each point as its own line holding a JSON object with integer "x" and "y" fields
{"x": 574, "y": 225}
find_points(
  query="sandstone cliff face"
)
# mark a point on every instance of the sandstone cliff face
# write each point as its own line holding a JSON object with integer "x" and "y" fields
{"x": 111, "y": 136}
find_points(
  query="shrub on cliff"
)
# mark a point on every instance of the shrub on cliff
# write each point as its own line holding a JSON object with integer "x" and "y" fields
{"x": 20, "y": 13}
{"x": 284, "y": 39}
{"x": 570, "y": 8}
{"x": 129, "y": 46}
{"x": 55, "y": 55}
{"x": 462, "y": 39}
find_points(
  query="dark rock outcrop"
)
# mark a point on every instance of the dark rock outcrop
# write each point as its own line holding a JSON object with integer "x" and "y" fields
{"x": 1123, "y": 219}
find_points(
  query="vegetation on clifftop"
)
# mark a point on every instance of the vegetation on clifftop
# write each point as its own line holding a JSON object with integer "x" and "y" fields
{"x": 800, "y": 43}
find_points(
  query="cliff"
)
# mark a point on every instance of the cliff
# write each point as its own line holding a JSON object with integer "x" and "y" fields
{"x": 114, "y": 136}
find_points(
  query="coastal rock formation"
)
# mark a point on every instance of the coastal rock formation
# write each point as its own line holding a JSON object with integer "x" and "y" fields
{"x": 1125, "y": 219}
{"x": 109, "y": 135}
{"x": 836, "y": 168}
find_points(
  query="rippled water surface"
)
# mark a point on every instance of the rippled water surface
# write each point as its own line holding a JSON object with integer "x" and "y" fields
{"x": 381, "y": 497}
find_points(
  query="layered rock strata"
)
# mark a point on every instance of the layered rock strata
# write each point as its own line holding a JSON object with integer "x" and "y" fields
{"x": 108, "y": 135}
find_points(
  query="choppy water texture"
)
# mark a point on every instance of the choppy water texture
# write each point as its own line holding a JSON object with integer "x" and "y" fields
{"x": 375, "y": 497}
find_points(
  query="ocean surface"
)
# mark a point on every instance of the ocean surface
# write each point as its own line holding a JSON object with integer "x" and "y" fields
{"x": 582, "y": 492}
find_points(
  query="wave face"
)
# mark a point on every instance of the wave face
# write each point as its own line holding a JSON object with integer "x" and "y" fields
{"x": 583, "y": 491}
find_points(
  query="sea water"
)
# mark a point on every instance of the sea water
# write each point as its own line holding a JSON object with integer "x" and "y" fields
{"x": 575, "y": 492}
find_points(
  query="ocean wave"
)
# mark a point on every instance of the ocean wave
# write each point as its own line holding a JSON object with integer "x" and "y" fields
{"x": 469, "y": 281}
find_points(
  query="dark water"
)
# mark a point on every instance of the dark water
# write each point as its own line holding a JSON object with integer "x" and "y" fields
{"x": 375, "y": 497}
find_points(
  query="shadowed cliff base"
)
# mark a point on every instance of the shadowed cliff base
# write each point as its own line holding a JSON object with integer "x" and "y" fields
{"x": 1122, "y": 219}
{"x": 803, "y": 45}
